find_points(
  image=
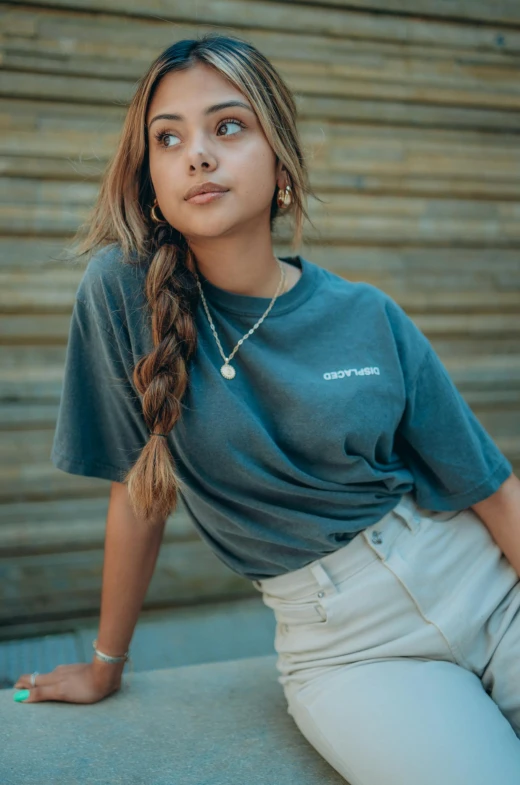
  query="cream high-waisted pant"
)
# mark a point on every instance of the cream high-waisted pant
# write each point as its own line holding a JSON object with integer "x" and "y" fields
{"x": 399, "y": 653}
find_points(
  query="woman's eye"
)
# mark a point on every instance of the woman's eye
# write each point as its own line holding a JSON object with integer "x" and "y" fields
{"x": 161, "y": 136}
{"x": 226, "y": 123}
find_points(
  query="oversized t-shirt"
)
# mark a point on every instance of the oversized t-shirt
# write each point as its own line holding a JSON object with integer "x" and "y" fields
{"x": 339, "y": 406}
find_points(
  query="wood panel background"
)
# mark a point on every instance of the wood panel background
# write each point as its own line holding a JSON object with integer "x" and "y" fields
{"x": 410, "y": 117}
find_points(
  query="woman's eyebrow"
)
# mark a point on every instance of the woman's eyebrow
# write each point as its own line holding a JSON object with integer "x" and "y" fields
{"x": 210, "y": 110}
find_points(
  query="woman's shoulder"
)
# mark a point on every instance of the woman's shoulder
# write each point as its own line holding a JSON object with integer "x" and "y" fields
{"x": 369, "y": 304}
{"x": 112, "y": 293}
{"x": 110, "y": 274}
{"x": 356, "y": 292}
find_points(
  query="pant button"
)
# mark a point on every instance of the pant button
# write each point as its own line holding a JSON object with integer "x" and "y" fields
{"x": 321, "y": 594}
{"x": 376, "y": 537}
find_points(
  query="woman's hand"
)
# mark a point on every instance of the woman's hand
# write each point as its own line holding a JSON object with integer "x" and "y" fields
{"x": 77, "y": 683}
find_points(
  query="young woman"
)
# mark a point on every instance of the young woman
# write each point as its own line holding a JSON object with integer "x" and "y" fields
{"x": 316, "y": 439}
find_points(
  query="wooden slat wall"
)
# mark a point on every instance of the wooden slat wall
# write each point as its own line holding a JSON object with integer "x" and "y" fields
{"x": 410, "y": 117}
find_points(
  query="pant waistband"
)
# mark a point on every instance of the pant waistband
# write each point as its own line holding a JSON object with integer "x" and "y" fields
{"x": 328, "y": 570}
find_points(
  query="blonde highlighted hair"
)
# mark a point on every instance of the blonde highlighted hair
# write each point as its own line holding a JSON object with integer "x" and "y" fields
{"x": 121, "y": 215}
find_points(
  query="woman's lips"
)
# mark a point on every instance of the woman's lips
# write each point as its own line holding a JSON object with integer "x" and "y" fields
{"x": 207, "y": 197}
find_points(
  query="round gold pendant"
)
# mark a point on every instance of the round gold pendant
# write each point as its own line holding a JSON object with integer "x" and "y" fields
{"x": 227, "y": 371}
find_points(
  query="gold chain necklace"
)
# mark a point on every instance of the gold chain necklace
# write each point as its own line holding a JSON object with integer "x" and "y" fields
{"x": 227, "y": 370}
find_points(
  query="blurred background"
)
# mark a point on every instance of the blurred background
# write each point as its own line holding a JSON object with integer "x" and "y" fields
{"x": 410, "y": 118}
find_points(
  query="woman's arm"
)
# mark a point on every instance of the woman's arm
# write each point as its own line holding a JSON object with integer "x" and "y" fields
{"x": 501, "y": 514}
{"x": 131, "y": 550}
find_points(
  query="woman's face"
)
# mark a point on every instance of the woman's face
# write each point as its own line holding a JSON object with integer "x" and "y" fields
{"x": 226, "y": 146}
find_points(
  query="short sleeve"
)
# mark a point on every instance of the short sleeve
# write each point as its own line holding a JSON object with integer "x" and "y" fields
{"x": 100, "y": 428}
{"x": 453, "y": 459}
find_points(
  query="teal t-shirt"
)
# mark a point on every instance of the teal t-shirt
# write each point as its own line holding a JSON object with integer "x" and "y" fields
{"x": 339, "y": 406}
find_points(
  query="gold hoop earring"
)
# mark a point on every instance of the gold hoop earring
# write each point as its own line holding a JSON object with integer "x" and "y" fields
{"x": 153, "y": 214}
{"x": 284, "y": 198}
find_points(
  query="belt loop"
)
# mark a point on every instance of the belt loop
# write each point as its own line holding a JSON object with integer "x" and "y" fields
{"x": 322, "y": 578}
{"x": 408, "y": 511}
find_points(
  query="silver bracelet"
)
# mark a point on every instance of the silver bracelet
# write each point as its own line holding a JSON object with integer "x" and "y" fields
{"x": 107, "y": 657}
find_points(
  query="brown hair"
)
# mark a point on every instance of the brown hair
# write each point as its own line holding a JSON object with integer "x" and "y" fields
{"x": 121, "y": 215}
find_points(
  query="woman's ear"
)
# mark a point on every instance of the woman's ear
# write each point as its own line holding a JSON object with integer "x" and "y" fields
{"x": 282, "y": 178}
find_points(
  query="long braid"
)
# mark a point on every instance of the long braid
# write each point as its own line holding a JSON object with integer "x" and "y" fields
{"x": 161, "y": 377}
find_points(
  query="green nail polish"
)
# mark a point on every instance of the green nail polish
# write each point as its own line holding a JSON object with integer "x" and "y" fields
{"x": 21, "y": 695}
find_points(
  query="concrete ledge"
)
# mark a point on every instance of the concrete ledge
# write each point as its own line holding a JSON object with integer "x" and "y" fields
{"x": 222, "y": 723}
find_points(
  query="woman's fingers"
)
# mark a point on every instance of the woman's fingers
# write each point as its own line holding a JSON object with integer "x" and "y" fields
{"x": 24, "y": 682}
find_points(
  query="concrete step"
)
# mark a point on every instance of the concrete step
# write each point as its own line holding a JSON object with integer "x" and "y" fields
{"x": 169, "y": 638}
{"x": 220, "y": 723}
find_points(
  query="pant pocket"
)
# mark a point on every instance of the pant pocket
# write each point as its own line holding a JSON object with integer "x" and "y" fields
{"x": 295, "y": 613}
